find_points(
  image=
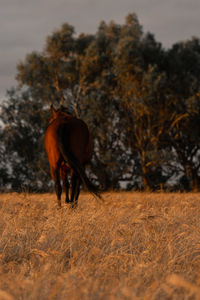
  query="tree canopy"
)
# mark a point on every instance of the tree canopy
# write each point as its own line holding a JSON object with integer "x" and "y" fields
{"x": 140, "y": 101}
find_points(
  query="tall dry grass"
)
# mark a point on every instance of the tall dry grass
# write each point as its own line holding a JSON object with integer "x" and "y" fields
{"x": 133, "y": 246}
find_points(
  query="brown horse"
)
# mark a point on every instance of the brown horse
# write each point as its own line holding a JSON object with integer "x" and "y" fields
{"x": 69, "y": 148}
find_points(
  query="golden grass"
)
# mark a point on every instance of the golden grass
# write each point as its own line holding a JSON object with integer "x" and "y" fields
{"x": 133, "y": 246}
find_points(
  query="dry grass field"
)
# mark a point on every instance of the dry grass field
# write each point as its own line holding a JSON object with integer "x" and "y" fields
{"x": 132, "y": 246}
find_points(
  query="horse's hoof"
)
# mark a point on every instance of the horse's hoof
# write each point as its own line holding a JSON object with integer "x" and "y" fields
{"x": 74, "y": 205}
{"x": 68, "y": 201}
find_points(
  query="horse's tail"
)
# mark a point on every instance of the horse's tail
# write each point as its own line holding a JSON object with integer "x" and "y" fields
{"x": 73, "y": 162}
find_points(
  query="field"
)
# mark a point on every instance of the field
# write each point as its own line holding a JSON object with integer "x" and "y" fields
{"x": 131, "y": 246}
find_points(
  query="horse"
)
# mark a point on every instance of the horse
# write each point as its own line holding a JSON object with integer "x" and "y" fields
{"x": 68, "y": 146}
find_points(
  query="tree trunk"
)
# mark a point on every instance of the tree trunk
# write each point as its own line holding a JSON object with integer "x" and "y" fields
{"x": 145, "y": 178}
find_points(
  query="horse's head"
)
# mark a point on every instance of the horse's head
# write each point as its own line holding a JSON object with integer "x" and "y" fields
{"x": 62, "y": 112}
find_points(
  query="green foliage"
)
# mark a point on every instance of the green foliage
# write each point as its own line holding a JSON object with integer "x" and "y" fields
{"x": 140, "y": 101}
{"x": 24, "y": 121}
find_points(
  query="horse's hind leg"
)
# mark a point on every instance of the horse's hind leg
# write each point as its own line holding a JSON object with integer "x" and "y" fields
{"x": 75, "y": 189}
{"x": 56, "y": 177}
{"x": 77, "y": 192}
{"x": 66, "y": 188}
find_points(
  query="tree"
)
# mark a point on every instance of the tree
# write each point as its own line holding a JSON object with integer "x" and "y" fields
{"x": 24, "y": 164}
{"x": 148, "y": 112}
{"x": 53, "y": 75}
{"x": 100, "y": 106}
{"x": 183, "y": 62}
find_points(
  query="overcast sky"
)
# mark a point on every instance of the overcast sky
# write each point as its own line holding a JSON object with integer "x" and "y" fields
{"x": 24, "y": 24}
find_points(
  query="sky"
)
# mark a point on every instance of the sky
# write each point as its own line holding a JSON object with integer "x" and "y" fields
{"x": 25, "y": 24}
